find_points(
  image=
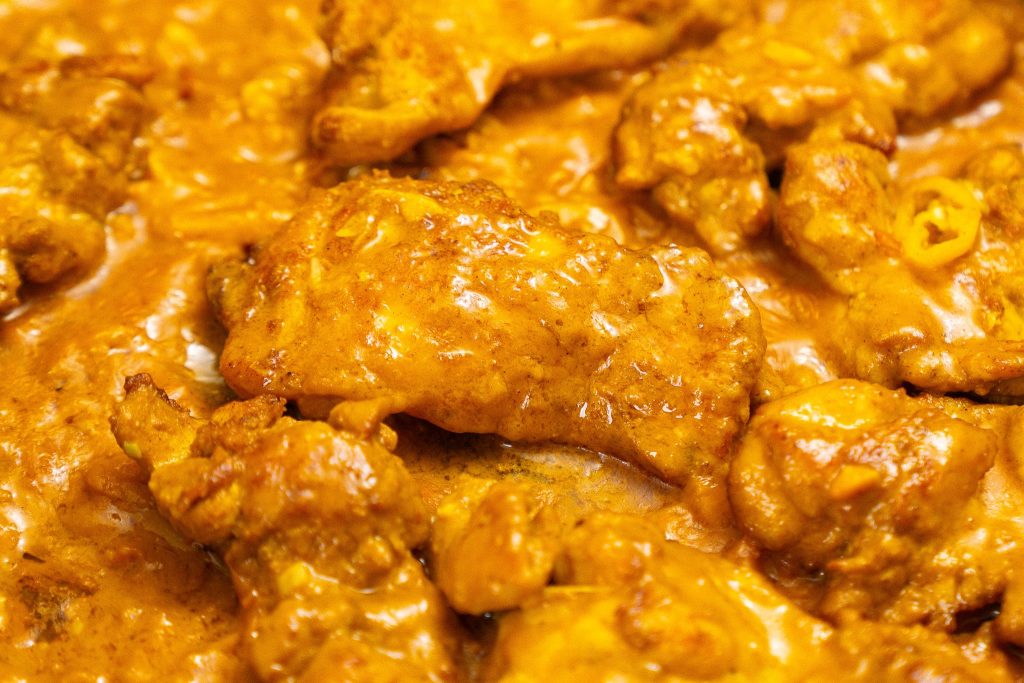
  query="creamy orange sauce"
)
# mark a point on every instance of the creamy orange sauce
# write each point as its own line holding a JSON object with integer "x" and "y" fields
{"x": 225, "y": 168}
{"x": 95, "y": 585}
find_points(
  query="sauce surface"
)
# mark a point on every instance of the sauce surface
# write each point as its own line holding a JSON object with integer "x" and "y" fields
{"x": 96, "y": 584}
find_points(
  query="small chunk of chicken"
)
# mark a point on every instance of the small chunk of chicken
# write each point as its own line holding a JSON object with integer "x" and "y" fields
{"x": 405, "y": 71}
{"x": 702, "y": 134}
{"x": 905, "y": 510}
{"x": 315, "y": 522}
{"x": 449, "y": 303}
{"x": 931, "y": 271}
{"x": 977, "y": 569}
{"x": 628, "y": 605}
{"x": 859, "y": 482}
{"x": 682, "y": 137}
{"x": 493, "y": 545}
{"x": 66, "y": 139}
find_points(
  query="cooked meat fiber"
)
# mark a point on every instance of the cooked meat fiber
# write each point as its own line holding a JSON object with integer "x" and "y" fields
{"x": 449, "y": 303}
{"x": 315, "y": 522}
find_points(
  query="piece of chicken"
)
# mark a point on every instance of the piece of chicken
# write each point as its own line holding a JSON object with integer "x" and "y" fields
{"x": 403, "y": 71}
{"x": 932, "y": 272}
{"x": 449, "y": 303}
{"x": 315, "y": 521}
{"x": 682, "y": 137}
{"x": 701, "y": 134}
{"x": 627, "y": 605}
{"x": 493, "y": 545}
{"x": 906, "y": 508}
{"x": 66, "y": 143}
{"x": 920, "y": 56}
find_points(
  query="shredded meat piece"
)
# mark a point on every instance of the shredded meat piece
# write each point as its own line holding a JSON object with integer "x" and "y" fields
{"x": 449, "y": 303}
{"x": 909, "y": 261}
{"x": 66, "y": 142}
{"x": 905, "y": 505}
{"x": 407, "y": 70}
{"x": 315, "y": 522}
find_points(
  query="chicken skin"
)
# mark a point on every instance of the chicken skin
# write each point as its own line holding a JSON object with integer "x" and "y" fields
{"x": 931, "y": 272}
{"x": 907, "y": 507}
{"x": 403, "y": 71}
{"x": 315, "y": 522}
{"x": 447, "y": 302}
{"x": 66, "y": 142}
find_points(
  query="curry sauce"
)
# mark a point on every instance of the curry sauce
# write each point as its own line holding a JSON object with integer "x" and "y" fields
{"x": 419, "y": 341}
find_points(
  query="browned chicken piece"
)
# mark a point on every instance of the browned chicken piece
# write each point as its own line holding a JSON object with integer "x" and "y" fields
{"x": 908, "y": 507}
{"x": 703, "y": 132}
{"x": 449, "y": 303}
{"x": 919, "y": 56}
{"x": 979, "y": 566}
{"x": 627, "y": 605}
{"x": 315, "y": 522}
{"x": 403, "y": 71}
{"x": 66, "y": 142}
{"x": 859, "y": 482}
{"x": 683, "y": 137}
{"x": 493, "y": 545}
{"x": 932, "y": 272}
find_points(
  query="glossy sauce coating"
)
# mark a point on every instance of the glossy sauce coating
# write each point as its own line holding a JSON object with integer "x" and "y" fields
{"x": 98, "y": 584}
